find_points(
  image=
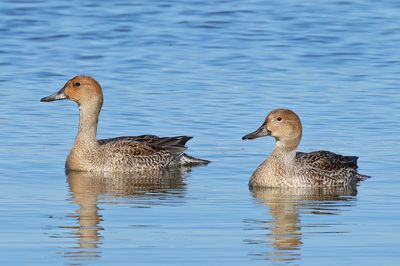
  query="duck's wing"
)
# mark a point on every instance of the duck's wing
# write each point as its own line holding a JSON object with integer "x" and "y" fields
{"x": 326, "y": 160}
{"x": 172, "y": 149}
{"x": 146, "y": 145}
{"x": 328, "y": 168}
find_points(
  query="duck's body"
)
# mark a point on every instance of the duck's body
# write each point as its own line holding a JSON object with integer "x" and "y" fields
{"x": 124, "y": 154}
{"x": 286, "y": 167}
{"x": 319, "y": 168}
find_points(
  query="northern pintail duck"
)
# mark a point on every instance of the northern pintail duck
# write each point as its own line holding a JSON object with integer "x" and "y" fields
{"x": 287, "y": 168}
{"x": 123, "y": 154}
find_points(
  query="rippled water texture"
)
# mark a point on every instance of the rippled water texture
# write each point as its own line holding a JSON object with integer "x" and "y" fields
{"x": 212, "y": 70}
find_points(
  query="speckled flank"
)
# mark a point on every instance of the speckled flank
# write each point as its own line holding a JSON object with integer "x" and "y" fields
{"x": 287, "y": 168}
{"x": 123, "y": 154}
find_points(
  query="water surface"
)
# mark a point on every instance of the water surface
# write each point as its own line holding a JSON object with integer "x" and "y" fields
{"x": 212, "y": 70}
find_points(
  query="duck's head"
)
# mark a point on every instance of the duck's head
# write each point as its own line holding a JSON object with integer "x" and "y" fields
{"x": 282, "y": 124}
{"x": 84, "y": 90}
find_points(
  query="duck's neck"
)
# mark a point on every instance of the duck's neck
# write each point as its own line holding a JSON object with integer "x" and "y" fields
{"x": 287, "y": 144}
{"x": 88, "y": 120}
{"x": 282, "y": 156}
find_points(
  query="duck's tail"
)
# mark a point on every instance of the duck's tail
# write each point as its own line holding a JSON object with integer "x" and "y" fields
{"x": 361, "y": 177}
{"x": 176, "y": 145}
{"x": 187, "y": 160}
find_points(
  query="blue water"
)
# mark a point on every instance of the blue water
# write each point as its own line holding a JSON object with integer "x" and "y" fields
{"x": 212, "y": 70}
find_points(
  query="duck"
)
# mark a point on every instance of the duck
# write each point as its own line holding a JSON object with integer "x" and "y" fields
{"x": 287, "y": 168}
{"x": 144, "y": 153}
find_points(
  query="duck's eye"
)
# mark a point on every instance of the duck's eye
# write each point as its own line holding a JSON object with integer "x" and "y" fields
{"x": 279, "y": 118}
{"x": 77, "y": 84}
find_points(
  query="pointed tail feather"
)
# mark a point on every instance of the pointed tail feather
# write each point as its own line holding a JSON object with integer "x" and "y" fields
{"x": 188, "y": 160}
{"x": 176, "y": 145}
{"x": 361, "y": 177}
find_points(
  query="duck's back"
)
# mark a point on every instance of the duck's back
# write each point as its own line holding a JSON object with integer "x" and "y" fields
{"x": 329, "y": 168}
{"x": 145, "y": 152}
{"x": 326, "y": 160}
{"x": 147, "y": 144}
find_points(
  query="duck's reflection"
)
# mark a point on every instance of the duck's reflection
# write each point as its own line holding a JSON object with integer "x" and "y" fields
{"x": 284, "y": 231}
{"x": 88, "y": 188}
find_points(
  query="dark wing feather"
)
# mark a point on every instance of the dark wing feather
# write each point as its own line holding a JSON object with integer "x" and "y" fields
{"x": 148, "y": 144}
{"x": 326, "y": 160}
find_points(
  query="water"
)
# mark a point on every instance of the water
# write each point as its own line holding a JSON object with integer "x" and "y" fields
{"x": 213, "y": 70}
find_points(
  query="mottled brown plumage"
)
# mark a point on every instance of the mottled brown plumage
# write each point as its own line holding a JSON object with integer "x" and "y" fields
{"x": 326, "y": 160}
{"x": 287, "y": 168}
{"x": 145, "y": 153}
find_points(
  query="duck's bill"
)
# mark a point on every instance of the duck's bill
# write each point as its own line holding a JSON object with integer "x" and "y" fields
{"x": 260, "y": 132}
{"x": 59, "y": 95}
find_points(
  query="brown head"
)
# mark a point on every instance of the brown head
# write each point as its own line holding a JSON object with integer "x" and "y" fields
{"x": 282, "y": 124}
{"x": 81, "y": 89}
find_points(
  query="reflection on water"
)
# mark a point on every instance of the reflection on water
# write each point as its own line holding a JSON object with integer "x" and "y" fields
{"x": 88, "y": 189}
{"x": 284, "y": 231}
